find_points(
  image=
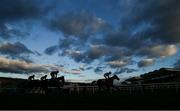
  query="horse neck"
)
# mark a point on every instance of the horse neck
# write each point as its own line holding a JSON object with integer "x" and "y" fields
{"x": 112, "y": 78}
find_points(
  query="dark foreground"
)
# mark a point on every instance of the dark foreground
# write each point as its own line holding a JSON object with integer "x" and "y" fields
{"x": 99, "y": 100}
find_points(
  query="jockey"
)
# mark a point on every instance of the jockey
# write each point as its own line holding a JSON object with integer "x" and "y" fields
{"x": 107, "y": 74}
{"x": 31, "y": 77}
{"x": 43, "y": 77}
{"x": 54, "y": 74}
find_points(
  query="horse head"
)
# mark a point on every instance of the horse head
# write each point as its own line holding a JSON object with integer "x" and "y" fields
{"x": 116, "y": 77}
{"x": 93, "y": 82}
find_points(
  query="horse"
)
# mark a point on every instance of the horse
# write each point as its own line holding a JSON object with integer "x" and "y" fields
{"x": 106, "y": 83}
{"x": 56, "y": 82}
{"x": 45, "y": 84}
{"x": 34, "y": 85}
{"x": 43, "y": 78}
{"x": 31, "y": 77}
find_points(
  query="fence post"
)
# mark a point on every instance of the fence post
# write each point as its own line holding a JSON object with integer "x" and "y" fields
{"x": 130, "y": 90}
{"x": 93, "y": 89}
{"x": 110, "y": 90}
{"x": 152, "y": 88}
{"x": 177, "y": 86}
{"x": 77, "y": 89}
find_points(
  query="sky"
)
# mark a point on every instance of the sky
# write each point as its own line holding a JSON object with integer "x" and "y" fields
{"x": 83, "y": 39}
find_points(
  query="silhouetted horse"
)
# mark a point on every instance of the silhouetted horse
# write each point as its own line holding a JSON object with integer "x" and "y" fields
{"x": 106, "y": 83}
{"x": 57, "y": 82}
{"x": 45, "y": 84}
{"x": 31, "y": 77}
{"x": 43, "y": 77}
{"x": 35, "y": 84}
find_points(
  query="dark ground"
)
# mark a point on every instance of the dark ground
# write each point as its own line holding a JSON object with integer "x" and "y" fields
{"x": 88, "y": 101}
{"x": 163, "y": 99}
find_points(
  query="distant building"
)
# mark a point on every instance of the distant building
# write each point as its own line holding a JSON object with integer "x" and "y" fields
{"x": 133, "y": 80}
{"x": 162, "y": 75}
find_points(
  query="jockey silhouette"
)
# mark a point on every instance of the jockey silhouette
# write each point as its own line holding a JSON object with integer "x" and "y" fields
{"x": 54, "y": 74}
{"x": 106, "y": 75}
{"x": 31, "y": 77}
{"x": 43, "y": 77}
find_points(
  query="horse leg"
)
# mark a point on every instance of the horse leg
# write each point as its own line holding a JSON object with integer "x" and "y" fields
{"x": 102, "y": 88}
{"x": 59, "y": 88}
{"x": 99, "y": 87}
{"x": 45, "y": 90}
{"x": 109, "y": 88}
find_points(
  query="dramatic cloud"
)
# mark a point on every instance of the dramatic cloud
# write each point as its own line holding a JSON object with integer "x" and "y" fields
{"x": 138, "y": 33}
{"x": 158, "y": 26}
{"x": 22, "y": 67}
{"x": 74, "y": 71}
{"x": 158, "y": 51}
{"x": 177, "y": 64}
{"x": 118, "y": 63}
{"x": 18, "y": 9}
{"x": 16, "y": 66}
{"x": 67, "y": 42}
{"x": 89, "y": 68}
{"x": 145, "y": 62}
{"x": 98, "y": 70}
{"x": 82, "y": 24}
{"x": 124, "y": 70}
{"x": 14, "y": 49}
{"x": 162, "y": 17}
{"x": 78, "y": 56}
{"x": 62, "y": 69}
{"x": 124, "y": 39}
{"x": 51, "y": 50}
{"x": 97, "y": 51}
{"x": 26, "y": 58}
{"x": 82, "y": 67}
{"x": 166, "y": 19}
{"x": 108, "y": 33}
{"x": 6, "y": 31}
{"x": 16, "y": 12}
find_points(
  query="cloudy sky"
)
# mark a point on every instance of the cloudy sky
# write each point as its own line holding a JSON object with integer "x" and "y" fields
{"x": 85, "y": 38}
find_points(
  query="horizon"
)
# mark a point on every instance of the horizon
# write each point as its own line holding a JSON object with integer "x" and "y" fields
{"x": 82, "y": 81}
{"x": 85, "y": 39}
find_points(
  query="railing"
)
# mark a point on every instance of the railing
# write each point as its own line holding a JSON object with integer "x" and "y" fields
{"x": 78, "y": 89}
{"x": 128, "y": 88}
{"x": 151, "y": 87}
